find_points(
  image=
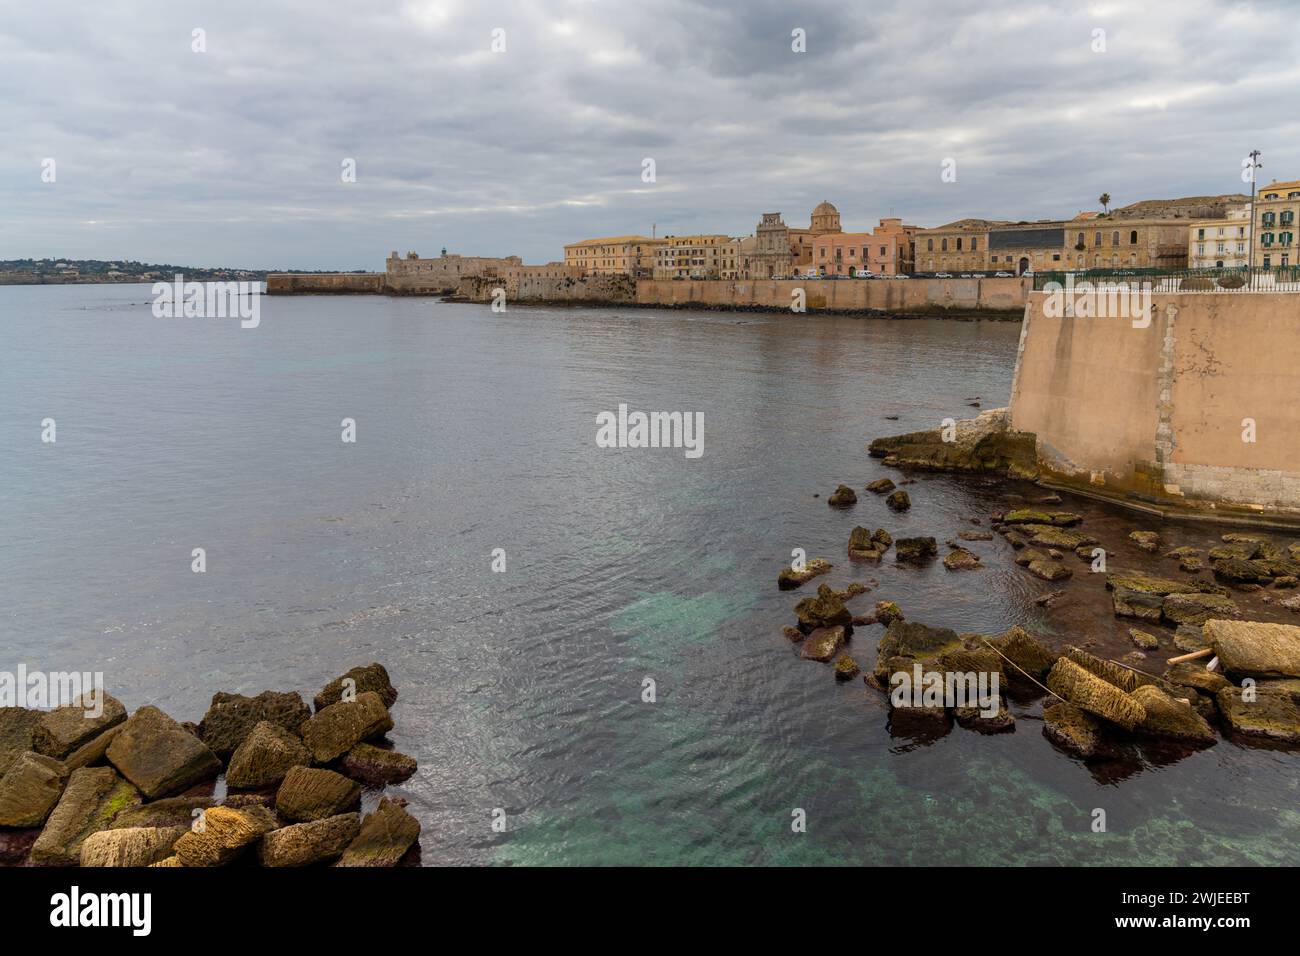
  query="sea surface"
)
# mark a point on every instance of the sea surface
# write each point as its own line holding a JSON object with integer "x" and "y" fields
{"x": 524, "y": 690}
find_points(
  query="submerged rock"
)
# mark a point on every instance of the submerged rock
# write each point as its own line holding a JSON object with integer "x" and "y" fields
{"x": 863, "y": 547}
{"x": 1049, "y": 570}
{"x": 823, "y": 644}
{"x": 842, "y": 497}
{"x": 974, "y": 718}
{"x": 1145, "y": 641}
{"x": 975, "y": 535}
{"x": 881, "y": 486}
{"x": 1031, "y": 516}
{"x": 385, "y": 837}
{"x": 1072, "y": 730}
{"x": 158, "y": 756}
{"x": 1048, "y": 536}
{"x": 303, "y": 844}
{"x": 1196, "y": 608}
{"x": 30, "y": 789}
{"x": 899, "y": 501}
{"x": 1146, "y": 540}
{"x": 789, "y": 578}
{"x": 904, "y": 643}
{"x": 94, "y": 796}
{"x": 1271, "y": 716}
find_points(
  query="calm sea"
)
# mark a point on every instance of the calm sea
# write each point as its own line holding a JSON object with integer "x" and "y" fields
{"x": 522, "y": 690}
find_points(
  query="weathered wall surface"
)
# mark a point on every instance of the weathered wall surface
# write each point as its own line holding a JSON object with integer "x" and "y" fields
{"x": 903, "y": 296}
{"x": 596, "y": 289}
{"x": 1157, "y": 414}
{"x": 328, "y": 284}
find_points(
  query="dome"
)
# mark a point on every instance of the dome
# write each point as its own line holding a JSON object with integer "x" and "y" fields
{"x": 824, "y": 208}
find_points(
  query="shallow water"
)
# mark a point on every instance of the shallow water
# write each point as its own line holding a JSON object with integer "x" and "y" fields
{"x": 522, "y": 690}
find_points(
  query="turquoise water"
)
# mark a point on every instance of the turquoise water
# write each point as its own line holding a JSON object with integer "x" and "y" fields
{"x": 523, "y": 690}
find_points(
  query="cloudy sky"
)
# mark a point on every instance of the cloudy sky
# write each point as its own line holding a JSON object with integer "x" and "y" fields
{"x": 234, "y": 156}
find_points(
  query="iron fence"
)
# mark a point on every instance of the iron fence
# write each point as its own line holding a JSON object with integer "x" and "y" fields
{"x": 1274, "y": 279}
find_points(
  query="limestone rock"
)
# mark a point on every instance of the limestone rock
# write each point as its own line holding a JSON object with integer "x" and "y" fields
{"x": 1072, "y": 730}
{"x": 1194, "y": 675}
{"x": 384, "y": 838}
{"x": 915, "y": 550}
{"x": 92, "y": 751}
{"x": 881, "y": 486}
{"x": 1050, "y": 536}
{"x": 842, "y": 497}
{"x": 1126, "y": 679}
{"x": 222, "y": 835}
{"x": 372, "y": 677}
{"x": 1145, "y": 641}
{"x": 1146, "y": 540}
{"x": 1272, "y": 715}
{"x": 887, "y": 612}
{"x": 232, "y": 717}
{"x": 974, "y": 718}
{"x": 959, "y": 559}
{"x": 377, "y": 767}
{"x": 899, "y": 501}
{"x": 17, "y": 725}
{"x": 332, "y": 732}
{"x": 158, "y": 756}
{"x": 822, "y": 644}
{"x": 313, "y": 794}
{"x": 1026, "y": 653}
{"x": 789, "y": 578}
{"x": 1093, "y": 695}
{"x": 1254, "y": 648}
{"x": 985, "y": 443}
{"x": 1189, "y": 638}
{"x": 1030, "y": 516}
{"x": 303, "y": 844}
{"x": 163, "y": 814}
{"x": 30, "y": 789}
{"x": 846, "y": 668}
{"x": 64, "y": 729}
{"x": 265, "y": 756}
{"x": 1170, "y": 718}
{"x": 93, "y": 797}
{"x": 1049, "y": 570}
{"x": 138, "y": 846}
{"x": 1196, "y": 608}
{"x": 825, "y": 610}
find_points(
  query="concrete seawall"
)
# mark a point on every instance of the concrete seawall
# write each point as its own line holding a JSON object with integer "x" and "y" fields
{"x": 333, "y": 283}
{"x": 1194, "y": 413}
{"x": 972, "y": 297}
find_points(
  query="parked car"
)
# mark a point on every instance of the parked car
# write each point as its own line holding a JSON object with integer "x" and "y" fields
{"x": 943, "y": 275}
{"x": 865, "y": 274}
{"x": 901, "y": 276}
{"x": 1003, "y": 275}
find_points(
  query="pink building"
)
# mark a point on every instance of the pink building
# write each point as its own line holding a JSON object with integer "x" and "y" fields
{"x": 888, "y": 250}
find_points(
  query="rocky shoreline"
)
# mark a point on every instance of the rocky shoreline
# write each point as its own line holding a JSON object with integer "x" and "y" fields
{"x": 141, "y": 790}
{"x": 1243, "y": 683}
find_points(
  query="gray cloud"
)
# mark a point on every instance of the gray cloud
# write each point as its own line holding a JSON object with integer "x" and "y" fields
{"x": 233, "y": 156}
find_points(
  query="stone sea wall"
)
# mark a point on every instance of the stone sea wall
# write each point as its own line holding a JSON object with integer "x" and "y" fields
{"x": 333, "y": 283}
{"x": 1003, "y": 298}
{"x": 1193, "y": 411}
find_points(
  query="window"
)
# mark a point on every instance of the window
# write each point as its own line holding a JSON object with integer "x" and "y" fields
{"x": 1268, "y": 219}
{"x": 1133, "y": 238}
{"x": 1056, "y": 257}
{"x": 1200, "y": 234}
{"x": 959, "y": 243}
{"x": 1266, "y": 238}
{"x": 974, "y": 245}
{"x": 1080, "y": 242}
{"x": 1287, "y": 217}
{"x": 929, "y": 245}
{"x": 945, "y": 244}
{"x": 1114, "y": 238}
{"x": 1200, "y": 248}
{"x": 1097, "y": 238}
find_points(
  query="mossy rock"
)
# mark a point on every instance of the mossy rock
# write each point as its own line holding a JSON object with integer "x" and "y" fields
{"x": 846, "y": 668}
{"x": 789, "y": 578}
{"x": 842, "y": 497}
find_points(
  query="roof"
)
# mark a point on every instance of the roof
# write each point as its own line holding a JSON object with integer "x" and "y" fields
{"x": 824, "y": 208}
{"x": 1293, "y": 184}
{"x": 970, "y": 224}
{"x": 611, "y": 240}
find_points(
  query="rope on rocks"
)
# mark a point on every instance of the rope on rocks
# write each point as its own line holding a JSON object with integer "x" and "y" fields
{"x": 1022, "y": 670}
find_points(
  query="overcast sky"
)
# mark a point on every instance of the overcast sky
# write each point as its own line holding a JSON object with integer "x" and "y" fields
{"x": 234, "y": 156}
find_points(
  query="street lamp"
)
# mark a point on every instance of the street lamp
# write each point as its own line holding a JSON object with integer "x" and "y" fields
{"x": 1252, "y": 166}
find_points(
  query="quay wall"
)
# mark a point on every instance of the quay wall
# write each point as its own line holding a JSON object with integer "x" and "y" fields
{"x": 332, "y": 283}
{"x": 898, "y": 296}
{"x": 1195, "y": 411}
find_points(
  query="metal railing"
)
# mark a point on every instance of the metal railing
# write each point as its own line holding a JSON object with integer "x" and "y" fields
{"x": 1240, "y": 279}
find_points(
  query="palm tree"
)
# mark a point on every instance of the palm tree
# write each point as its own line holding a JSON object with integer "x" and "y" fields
{"x": 1104, "y": 199}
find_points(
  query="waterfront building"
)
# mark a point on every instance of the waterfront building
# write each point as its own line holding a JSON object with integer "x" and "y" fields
{"x": 614, "y": 255}
{"x": 770, "y": 254}
{"x": 1106, "y": 242}
{"x": 1277, "y": 240}
{"x": 957, "y": 247}
{"x": 1220, "y": 243}
{"x": 1023, "y": 247}
{"x": 697, "y": 257}
{"x": 886, "y": 250}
